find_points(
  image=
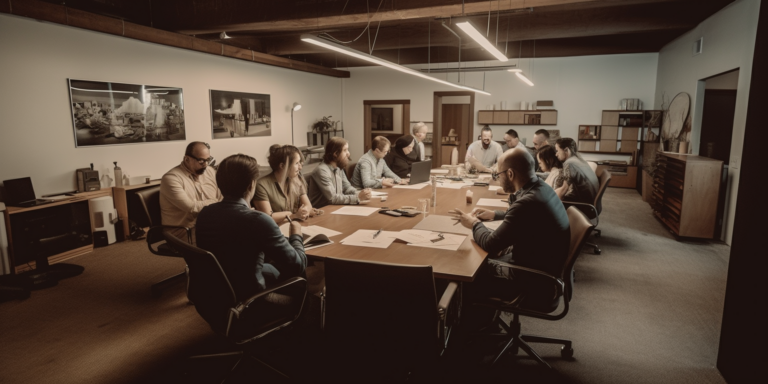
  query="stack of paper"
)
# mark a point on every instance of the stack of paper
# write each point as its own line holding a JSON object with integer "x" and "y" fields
{"x": 442, "y": 224}
{"x": 493, "y": 203}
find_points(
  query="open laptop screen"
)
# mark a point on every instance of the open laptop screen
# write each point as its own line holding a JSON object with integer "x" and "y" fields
{"x": 18, "y": 191}
{"x": 420, "y": 171}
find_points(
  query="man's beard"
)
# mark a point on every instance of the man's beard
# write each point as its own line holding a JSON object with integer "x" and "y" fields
{"x": 201, "y": 170}
{"x": 342, "y": 162}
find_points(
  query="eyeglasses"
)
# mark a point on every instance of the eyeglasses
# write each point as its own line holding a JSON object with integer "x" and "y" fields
{"x": 495, "y": 175}
{"x": 201, "y": 161}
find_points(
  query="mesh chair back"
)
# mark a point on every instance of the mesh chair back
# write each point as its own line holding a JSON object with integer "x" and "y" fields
{"x": 209, "y": 289}
{"x": 388, "y": 306}
{"x": 581, "y": 228}
{"x": 604, "y": 179}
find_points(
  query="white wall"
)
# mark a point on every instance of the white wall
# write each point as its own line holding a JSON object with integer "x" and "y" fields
{"x": 36, "y": 133}
{"x": 581, "y": 87}
{"x": 729, "y": 42}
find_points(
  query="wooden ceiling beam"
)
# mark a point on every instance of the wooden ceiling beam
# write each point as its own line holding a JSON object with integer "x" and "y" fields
{"x": 64, "y": 15}
{"x": 345, "y": 21}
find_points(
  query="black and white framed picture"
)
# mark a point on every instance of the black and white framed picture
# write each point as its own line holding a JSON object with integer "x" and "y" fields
{"x": 382, "y": 119}
{"x": 240, "y": 114}
{"x": 105, "y": 113}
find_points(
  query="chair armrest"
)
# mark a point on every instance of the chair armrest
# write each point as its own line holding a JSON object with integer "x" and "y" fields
{"x": 285, "y": 287}
{"x": 559, "y": 284}
{"x": 587, "y": 209}
{"x": 445, "y": 300}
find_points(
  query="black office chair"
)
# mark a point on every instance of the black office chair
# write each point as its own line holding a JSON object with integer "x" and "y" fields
{"x": 238, "y": 319}
{"x": 150, "y": 201}
{"x": 534, "y": 304}
{"x": 350, "y": 171}
{"x": 384, "y": 319}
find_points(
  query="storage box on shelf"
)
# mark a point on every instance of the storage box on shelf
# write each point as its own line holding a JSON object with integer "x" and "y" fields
{"x": 685, "y": 193}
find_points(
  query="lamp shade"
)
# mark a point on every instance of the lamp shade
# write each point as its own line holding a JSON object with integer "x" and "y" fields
{"x": 296, "y": 106}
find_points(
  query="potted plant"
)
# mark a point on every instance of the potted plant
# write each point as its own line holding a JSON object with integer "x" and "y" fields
{"x": 323, "y": 124}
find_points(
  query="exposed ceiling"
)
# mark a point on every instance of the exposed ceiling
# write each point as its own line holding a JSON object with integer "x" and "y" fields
{"x": 414, "y": 31}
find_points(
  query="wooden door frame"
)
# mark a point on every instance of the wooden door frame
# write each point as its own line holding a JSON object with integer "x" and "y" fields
{"x": 437, "y": 125}
{"x": 367, "y": 119}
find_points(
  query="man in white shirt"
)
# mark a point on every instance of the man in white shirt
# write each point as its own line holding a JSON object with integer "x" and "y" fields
{"x": 483, "y": 154}
{"x": 419, "y": 133}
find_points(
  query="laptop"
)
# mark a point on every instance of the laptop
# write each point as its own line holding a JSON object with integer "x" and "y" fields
{"x": 20, "y": 193}
{"x": 420, "y": 172}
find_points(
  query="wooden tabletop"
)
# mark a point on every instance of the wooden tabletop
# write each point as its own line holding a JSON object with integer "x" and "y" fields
{"x": 461, "y": 265}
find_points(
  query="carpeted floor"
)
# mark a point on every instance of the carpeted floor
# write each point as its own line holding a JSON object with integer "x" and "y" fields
{"x": 647, "y": 310}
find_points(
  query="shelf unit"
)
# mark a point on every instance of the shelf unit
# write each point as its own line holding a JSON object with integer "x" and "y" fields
{"x": 518, "y": 117}
{"x": 685, "y": 193}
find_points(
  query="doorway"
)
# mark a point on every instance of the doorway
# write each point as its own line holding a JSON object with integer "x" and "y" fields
{"x": 718, "y": 111}
{"x": 454, "y": 120}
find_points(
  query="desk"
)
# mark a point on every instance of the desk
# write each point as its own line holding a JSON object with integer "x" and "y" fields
{"x": 16, "y": 211}
{"x": 121, "y": 196}
{"x": 461, "y": 265}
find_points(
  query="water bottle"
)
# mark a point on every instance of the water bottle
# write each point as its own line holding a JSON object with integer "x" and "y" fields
{"x": 118, "y": 175}
{"x": 433, "y": 202}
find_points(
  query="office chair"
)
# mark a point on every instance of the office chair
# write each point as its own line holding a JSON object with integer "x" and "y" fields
{"x": 350, "y": 170}
{"x": 381, "y": 316}
{"x": 150, "y": 201}
{"x": 533, "y": 304}
{"x": 593, "y": 210}
{"x": 238, "y": 319}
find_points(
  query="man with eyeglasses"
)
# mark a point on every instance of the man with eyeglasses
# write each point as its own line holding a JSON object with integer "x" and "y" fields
{"x": 187, "y": 188}
{"x": 535, "y": 232}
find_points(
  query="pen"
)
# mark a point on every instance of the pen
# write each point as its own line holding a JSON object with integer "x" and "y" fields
{"x": 377, "y": 233}
{"x": 288, "y": 217}
{"x": 457, "y": 221}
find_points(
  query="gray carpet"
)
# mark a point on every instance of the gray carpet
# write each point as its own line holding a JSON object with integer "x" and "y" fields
{"x": 647, "y": 310}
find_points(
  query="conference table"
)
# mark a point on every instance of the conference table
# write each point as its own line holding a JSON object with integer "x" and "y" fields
{"x": 461, "y": 265}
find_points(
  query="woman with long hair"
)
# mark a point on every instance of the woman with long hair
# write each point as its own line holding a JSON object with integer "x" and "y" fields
{"x": 397, "y": 159}
{"x": 548, "y": 162}
{"x": 283, "y": 193}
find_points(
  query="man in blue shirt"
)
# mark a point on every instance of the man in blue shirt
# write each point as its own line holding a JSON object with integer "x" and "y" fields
{"x": 240, "y": 237}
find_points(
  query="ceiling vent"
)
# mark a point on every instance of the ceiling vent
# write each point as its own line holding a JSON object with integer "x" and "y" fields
{"x": 697, "y": 46}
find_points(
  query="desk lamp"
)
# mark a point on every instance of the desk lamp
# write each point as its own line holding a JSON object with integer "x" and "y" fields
{"x": 296, "y": 107}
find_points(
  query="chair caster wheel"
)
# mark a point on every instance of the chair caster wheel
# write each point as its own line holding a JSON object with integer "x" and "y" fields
{"x": 566, "y": 353}
{"x": 597, "y": 251}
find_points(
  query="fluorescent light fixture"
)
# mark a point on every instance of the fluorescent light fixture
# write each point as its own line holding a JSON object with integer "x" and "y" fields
{"x": 375, "y": 60}
{"x": 296, "y": 106}
{"x": 521, "y": 76}
{"x": 224, "y": 35}
{"x": 480, "y": 39}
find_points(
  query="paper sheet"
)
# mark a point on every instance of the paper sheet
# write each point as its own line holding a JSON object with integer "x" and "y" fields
{"x": 415, "y": 186}
{"x": 450, "y": 242}
{"x": 354, "y": 211}
{"x": 439, "y": 171}
{"x": 442, "y": 224}
{"x": 310, "y": 230}
{"x": 493, "y": 187}
{"x": 416, "y": 236}
{"x": 364, "y": 238}
{"x": 376, "y": 193}
{"x": 493, "y": 203}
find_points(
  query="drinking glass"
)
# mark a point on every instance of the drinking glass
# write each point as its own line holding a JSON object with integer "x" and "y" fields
{"x": 423, "y": 205}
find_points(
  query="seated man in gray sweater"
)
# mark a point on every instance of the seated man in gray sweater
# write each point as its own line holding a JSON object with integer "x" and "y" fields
{"x": 328, "y": 183}
{"x": 372, "y": 171}
{"x": 580, "y": 183}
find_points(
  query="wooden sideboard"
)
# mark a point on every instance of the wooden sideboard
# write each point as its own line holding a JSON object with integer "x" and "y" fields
{"x": 685, "y": 193}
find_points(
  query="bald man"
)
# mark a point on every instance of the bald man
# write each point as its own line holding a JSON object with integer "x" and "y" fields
{"x": 535, "y": 232}
{"x": 187, "y": 188}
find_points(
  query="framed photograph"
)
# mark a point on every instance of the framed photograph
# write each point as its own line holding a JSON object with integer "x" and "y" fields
{"x": 106, "y": 113}
{"x": 589, "y": 132}
{"x": 382, "y": 119}
{"x": 240, "y": 114}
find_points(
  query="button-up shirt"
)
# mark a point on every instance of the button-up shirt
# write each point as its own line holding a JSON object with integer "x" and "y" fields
{"x": 329, "y": 186}
{"x": 370, "y": 170}
{"x": 183, "y": 195}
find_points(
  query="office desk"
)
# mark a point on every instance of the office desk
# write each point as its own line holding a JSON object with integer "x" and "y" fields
{"x": 19, "y": 211}
{"x": 461, "y": 265}
{"x": 122, "y": 204}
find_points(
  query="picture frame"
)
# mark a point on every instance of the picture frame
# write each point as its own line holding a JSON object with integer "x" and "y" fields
{"x": 237, "y": 114}
{"x": 108, "y": 113}
{"x": 382, "y": 119}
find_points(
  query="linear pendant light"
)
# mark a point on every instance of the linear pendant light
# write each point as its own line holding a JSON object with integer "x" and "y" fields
{"x": 312, "y": 39}
{"x": 480, "y": 39}
{"x": 521, "y": 76}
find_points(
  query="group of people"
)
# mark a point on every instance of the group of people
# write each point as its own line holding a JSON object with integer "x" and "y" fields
{"x": 236, "y": 215}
